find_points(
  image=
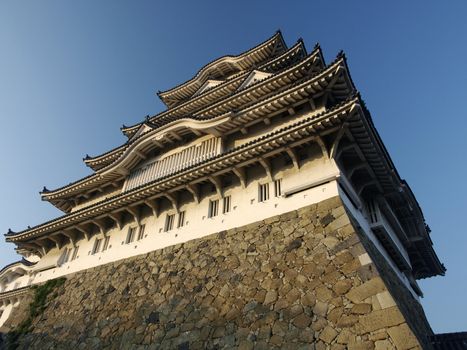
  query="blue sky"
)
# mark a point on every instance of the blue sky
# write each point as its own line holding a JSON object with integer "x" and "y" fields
{"x": 72, "y": 72}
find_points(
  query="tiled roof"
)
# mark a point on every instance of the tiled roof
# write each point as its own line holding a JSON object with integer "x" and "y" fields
{"x": 449, "y": 341}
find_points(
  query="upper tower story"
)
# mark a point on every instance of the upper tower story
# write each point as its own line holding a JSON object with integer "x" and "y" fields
{"x": 240, "y": 118}
{"x": 267, "y": 69}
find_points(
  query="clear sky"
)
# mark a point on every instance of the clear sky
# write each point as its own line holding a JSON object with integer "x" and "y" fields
{"x": 72, "y": 72}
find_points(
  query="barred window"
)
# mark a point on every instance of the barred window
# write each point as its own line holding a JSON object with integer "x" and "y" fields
{"x": 213, "y": 208}
{"x": 181, "y": 219}
{"x": 65, "y": 256}
{"x": 278, "y": 188}
{"x": 97, "y": 246}
{"x": 130, "y": 237}
{"x": 263, "y": 192}
{"x": 169, "y": 222}
{"x": 106, "y": 243}
{"x": 141, "y": 232}
{"x": 226, "y": 204}
{"x": 75, "y": 253}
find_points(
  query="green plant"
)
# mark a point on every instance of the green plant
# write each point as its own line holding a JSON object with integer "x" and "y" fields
{"x": 36, "y": 308}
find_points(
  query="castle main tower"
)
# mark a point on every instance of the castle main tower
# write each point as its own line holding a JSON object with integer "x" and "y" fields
{"x": 260, "y": 210}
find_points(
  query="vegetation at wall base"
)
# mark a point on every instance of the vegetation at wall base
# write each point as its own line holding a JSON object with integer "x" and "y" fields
{"x": 36, "y": 307}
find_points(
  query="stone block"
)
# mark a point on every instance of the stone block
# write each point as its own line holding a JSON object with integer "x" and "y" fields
{"x": 367, "y": 289}
{"x": 385, "y": 300}
{"x": 380, "y": 319}
{"x": 340, "y": 222}
{"x": 342, "y": 286}
{"x": 271, "y": 297}
{"x": 328, "y": 334}
{"x": 245, "y": 345}
{"x": 383, "y": 345}
{"x": 361, "y": 309}
{"x": 342, "y": 258}
{"x": 301, "y": 321}
{"x": 345, "y": 336}
{"x": 320, "y": 308}
{"x": 308, "y": 299}
{"x": 403, "y": 337}
{"x": 361, "y": 345}
{"x": 364, "y": 259}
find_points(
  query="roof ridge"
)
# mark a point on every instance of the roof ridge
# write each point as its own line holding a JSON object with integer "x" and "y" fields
{"x": 160, "y": 114}
{"x": 277, "y": 34}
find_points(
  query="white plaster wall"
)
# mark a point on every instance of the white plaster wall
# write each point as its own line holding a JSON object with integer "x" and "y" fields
{"x": 245, "y": 209}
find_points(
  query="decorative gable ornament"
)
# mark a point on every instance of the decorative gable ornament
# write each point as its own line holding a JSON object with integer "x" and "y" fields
{"x": 253, "y": 77}
{"x": 207, "y": 85}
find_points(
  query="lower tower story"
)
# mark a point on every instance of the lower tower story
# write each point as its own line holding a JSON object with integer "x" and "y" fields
{"x": 312, "y": 275}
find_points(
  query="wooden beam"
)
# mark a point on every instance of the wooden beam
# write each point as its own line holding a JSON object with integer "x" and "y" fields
{"x": 294, "y": 157}
{"x": 140, "y": 154}
{"x": 194, "y": 190}
{"x": 241, "y": 174}
{"x": 117, "y": 218}
{"x": 173, "y": 199}
{"x": 158, "y": 144}
{"x": 176, "y": 136}
{"x": 318, "y": 139}
{"x": 334, "y": 79}
{"x": 100, "y": 225}
{"x": 122, "y": 171}
{"x": 45, "y": 244}
{"x": 216, "y": 181}
{"x": 71, "y": 236}
{"x": 312, "y": 103}
{"x": 85, "y": 232}
{"x": 267, "y": 121}
{"x": 335, "y": 144}
{"x": 356, "y": 167}
{"x": 365, "y": 185}
{"x": 266, "y": 164}
{"x": 135, "y": 213}
{"x": 58, "y": 241}
{"x": 244, "y": 131}
{"x": 154, "y": 206}
{"x": 32, "y": 246}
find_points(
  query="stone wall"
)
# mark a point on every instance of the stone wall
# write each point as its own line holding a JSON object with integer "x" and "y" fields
{"x": 303, "y": 278}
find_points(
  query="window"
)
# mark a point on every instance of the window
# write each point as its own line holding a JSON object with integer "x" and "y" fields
{"x": 181, "y": 219}
{"x": 263, "y": 192}
{"x": 130, "y": 237}
{"x": 213, "y": 208}
{"x": 169, "y": 222}
{"x": 97, "y": 246}
{"x": 372, "y": 211}
{"x": 75, "y": 253}
{"x": 278, "y": 188}
{"x": 226, "y": 204}
{"x": 141, "y": 232}
{"x": 106, "y": 243}
{"x": 65, "y": 256}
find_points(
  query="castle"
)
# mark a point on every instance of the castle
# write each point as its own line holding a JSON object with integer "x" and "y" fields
{"x": 261, "y": 209}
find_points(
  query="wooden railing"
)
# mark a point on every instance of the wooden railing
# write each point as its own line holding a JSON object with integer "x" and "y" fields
{"x": 172, "y": 163}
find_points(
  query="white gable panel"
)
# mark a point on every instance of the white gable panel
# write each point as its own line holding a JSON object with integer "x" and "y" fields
{"x": 253, "y": 77}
